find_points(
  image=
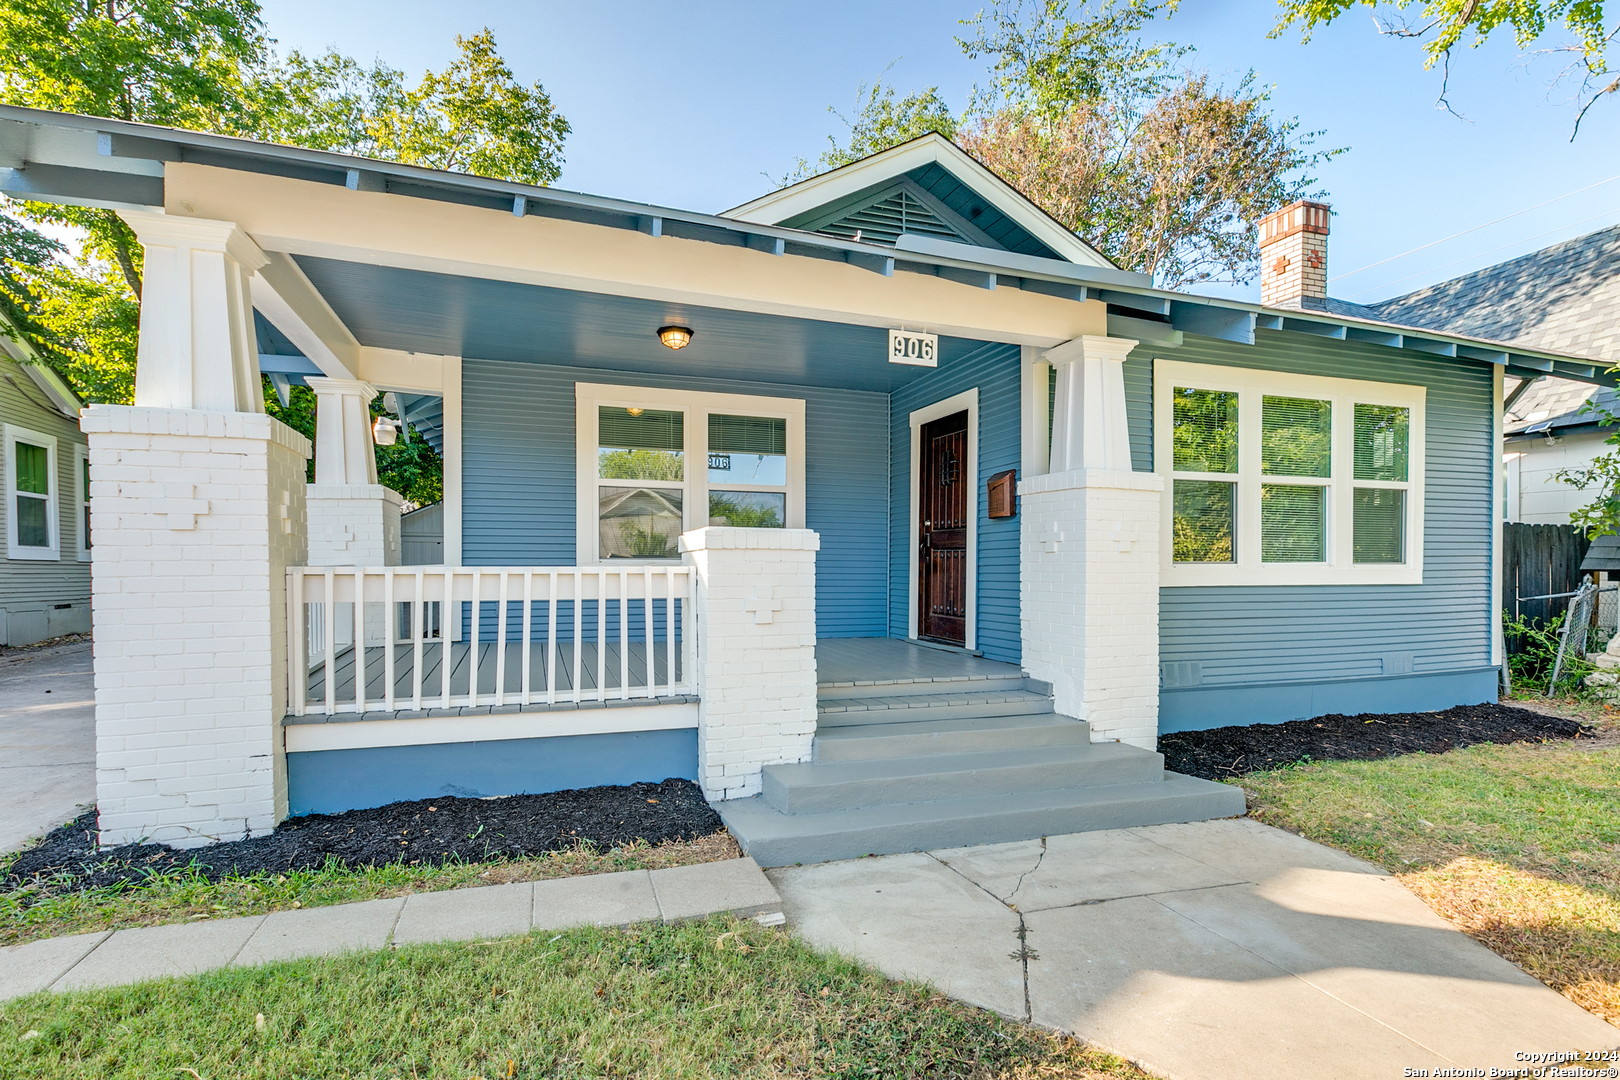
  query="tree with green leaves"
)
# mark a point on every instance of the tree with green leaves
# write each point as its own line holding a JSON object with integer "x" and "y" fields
{"x": 209, "y": 65}
{"x": 473, "y": 117}
{"x": 1150, "y": 162}
{"x": 880, "y": 120}
{"x": 1445, "y": 25}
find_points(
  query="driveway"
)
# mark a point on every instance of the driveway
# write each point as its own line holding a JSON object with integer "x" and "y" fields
{"x": 1214, "y": 950}
{"x": 47, "y": 739}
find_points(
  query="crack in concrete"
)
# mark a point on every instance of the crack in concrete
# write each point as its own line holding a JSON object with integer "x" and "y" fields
{"x": 1024, "y": 954}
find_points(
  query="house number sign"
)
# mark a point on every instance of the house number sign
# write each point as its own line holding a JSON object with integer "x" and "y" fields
{"x": 906, "y": 347}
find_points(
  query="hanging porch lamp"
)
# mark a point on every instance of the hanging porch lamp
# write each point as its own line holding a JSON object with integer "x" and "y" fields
{"x": 675, "y": 337}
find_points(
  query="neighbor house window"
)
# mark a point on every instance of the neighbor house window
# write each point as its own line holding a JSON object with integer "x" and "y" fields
{"x": 656, "y": 463}
{"x": 1275, "y": 478}
{"x": 81, "y": 473}
{"x": 31, "y": 518}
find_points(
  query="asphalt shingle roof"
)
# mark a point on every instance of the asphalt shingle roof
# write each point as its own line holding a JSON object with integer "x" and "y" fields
{"x": 1564, "y": 298}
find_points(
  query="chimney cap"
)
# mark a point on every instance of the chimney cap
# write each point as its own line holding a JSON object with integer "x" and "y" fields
{"x": 1301, "y": 215}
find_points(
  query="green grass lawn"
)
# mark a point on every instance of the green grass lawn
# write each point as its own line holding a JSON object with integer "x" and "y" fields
{"x": 719, "y": 998}
{"x": 1518, "y": 845}
{"x": 27, "y": 914}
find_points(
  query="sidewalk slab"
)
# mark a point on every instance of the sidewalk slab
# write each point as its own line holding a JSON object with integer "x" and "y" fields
{"x": 1188, "y": 1003}
{"x": 488, "y": 911}
{"x": 1081, "y": 868}
{"x": 595, "y": 900}
{"x": 1368, "y": 942}
{"x": 153, "y": 952}
{"x": 1241, "y": 951}
{"x": 737, "y": 886}
{"x": 322, "y": 931}
{"x": 911, "y": 917}
{"x": 25, "y": 969}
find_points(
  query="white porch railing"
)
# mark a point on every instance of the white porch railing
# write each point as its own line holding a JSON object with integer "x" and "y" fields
{"x": 418, "y": 637}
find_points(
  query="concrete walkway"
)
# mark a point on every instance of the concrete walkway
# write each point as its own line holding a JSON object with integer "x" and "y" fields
{"x": 47, "y": 740}
{"x": 1210, "y": 950}
{"x": 113, "y": 958}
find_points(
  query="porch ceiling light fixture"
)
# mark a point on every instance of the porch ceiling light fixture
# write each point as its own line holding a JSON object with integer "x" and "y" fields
{"x": 675, "y": 337}
{"x": 384, "y": 431}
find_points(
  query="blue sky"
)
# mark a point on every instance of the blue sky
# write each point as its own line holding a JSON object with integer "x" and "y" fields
{"x": 692, "y": 105}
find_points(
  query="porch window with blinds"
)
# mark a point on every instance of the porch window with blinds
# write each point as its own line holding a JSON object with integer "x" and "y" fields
{"x": 747, "y": 471}
{"x": 1277, "y": 478}
{"x": 641, "y": 489}
{"x": 654, "y": 463}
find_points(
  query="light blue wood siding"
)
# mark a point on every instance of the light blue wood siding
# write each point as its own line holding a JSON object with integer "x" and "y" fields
{"x": 518, "y": 477}
{"x": 1266, "y": 638}
{"x": 994, "y": 370}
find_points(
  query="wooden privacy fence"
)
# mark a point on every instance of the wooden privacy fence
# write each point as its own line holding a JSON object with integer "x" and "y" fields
{"x": 1538, "y": 560}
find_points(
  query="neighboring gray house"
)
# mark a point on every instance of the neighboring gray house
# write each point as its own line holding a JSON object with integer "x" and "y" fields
{"x": 45, "y": 565}
{"x": 1565, "y": 299}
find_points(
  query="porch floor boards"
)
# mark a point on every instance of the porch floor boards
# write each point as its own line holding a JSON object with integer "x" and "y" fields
{"x": 461, "y": 670}
{"x": 858, "y": 661}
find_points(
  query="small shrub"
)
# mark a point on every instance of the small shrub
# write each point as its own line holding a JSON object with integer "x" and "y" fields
{"x": 1537, "y": 649}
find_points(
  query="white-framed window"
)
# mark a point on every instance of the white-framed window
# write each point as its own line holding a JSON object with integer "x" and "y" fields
{"x": 81, "y": 483}
{"x": 652, "y": 464}
{"x": 32, "y": 527}
{"x": 1281, "y": 479}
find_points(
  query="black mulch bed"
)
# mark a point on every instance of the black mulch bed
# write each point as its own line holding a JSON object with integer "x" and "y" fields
{"x": 427, "y": 831}
{"x": 1223, "y": 753}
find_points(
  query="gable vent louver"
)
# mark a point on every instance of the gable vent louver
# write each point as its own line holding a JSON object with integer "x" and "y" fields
{"x": 882, "y": 222}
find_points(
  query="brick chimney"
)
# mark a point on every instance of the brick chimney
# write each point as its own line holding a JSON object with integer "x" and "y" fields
{"x": 1293, "y": 256}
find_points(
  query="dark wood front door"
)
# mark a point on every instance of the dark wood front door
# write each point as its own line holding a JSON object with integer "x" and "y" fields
{"x": 942, "y": 483}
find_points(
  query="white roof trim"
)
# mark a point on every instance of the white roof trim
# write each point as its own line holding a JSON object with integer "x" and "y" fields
{"x": 829, "y": 187}
{"x": 52, "y": 385}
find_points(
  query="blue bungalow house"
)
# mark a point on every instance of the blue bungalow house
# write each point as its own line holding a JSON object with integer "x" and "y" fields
{"x": 883, "y": 507}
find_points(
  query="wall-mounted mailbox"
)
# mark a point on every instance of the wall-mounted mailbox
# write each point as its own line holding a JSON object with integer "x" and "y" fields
{"x": 1002, "y": 491}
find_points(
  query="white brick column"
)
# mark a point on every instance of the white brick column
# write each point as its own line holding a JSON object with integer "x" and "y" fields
{"x": 755, "y": 630}
{"x": 197, "y": 516}
{"x": 1089, "y": 554}
{"x": 1089, "y": 597}
{"x": 197, "y": 502}
{"x": 353, "y": 520}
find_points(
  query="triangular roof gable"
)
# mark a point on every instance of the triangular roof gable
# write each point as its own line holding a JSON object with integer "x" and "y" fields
{"x": 953, "y": 192}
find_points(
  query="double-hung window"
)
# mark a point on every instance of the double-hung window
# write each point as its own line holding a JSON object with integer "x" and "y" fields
{"x": 32, "y": 530}
{"x": 81, "y": 475}
{"x": 654, "y": 463}
{"x": 1281, "y": 479}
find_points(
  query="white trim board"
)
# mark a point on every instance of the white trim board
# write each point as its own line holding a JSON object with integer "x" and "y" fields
{"x": 895, "y": 162}
{"x": 12, "y": 434}
{"x": 967, "y": 400}
{"x": 1251, "y": 385}
{"x": 452, "y": 461}
{"x": 81, "y": 490}
{"x": 541, "y": 724}
{"x": 697, "y": 405}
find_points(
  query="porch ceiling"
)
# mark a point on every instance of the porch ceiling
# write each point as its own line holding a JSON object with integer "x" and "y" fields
{"x": 415, "y": 310}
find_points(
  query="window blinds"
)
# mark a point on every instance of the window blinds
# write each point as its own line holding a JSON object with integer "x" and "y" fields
{"x": 747, "y": 434}
{"x": 654, "y": 429}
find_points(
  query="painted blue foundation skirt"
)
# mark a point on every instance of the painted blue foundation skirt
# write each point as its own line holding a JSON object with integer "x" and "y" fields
{"x": 1198, "y": 708}
{"x": 331, "y": 781}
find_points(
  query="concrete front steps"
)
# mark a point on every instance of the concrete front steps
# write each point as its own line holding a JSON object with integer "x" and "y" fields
{"x": 909, "y": 766}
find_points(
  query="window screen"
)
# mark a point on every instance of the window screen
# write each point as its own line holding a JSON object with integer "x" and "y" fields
{"x": 33, "y": 480}
{"x": 1380, "y": 516}
{"x": 1381, "y": 442}
{"x": 640, "y": 444}
{"x": 1202, "y": 529}
{"x": 1296, "y": 437}
{"x": 1293, "y": 523}
{"x": 1206, "y": 430}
